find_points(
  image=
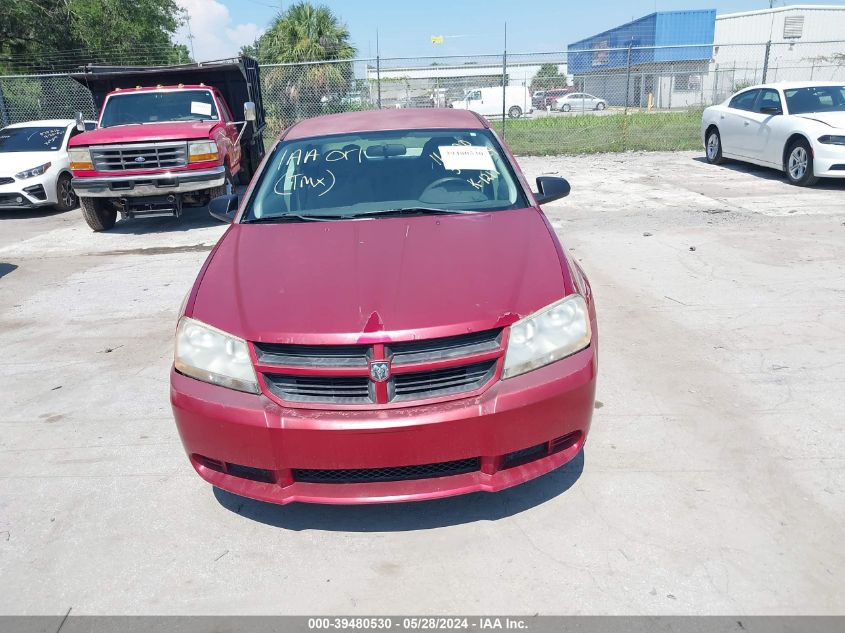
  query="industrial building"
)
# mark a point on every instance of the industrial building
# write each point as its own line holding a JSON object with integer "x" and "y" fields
{"x": 680, "y": 59}
{"x": 661, "y": 56}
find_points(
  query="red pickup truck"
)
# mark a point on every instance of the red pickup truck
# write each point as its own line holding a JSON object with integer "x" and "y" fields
{"x": 166, "y": 137}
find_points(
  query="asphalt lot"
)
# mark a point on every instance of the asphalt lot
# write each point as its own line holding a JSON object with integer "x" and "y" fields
{"x": 712, "y": 482}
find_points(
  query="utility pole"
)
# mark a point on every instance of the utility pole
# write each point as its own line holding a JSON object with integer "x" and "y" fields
{"x": 768, "y": 44}
{"x": 504, "y": 78}
{"x": 190, "y": 36}
{"x": 378, "y": 71}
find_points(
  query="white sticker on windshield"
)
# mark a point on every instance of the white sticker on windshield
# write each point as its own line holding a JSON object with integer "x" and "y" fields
{"x": 466, "y": 157}
{"x": 198, "y": 107}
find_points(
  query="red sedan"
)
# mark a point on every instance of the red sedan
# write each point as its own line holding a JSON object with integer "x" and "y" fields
{"x": 389, "y": 317}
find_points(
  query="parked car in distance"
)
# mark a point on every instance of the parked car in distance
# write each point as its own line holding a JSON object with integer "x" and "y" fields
{"x": 34, "y": 169}
{"x": 389, "y": 317}
{"x": 796, "y": 127}
{"x": 488, "y": 101}
{"x": 167, "y": 137}
{"x": 579, "y": 101}
{"x": 551, "y": 96}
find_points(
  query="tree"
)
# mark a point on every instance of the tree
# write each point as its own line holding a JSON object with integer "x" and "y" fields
{"x": 548, "y": 77}
{"x": 305, "y": 33}
{"x": 39, "y": 35}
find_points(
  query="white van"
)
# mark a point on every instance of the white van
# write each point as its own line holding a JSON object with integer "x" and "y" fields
{"x": 488, "y": 101}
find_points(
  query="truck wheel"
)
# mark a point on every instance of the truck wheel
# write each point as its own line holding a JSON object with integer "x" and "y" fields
{"x": 98, "y": 213}
{"x": 515, "y": 112}
{"x": 227, "y": 188}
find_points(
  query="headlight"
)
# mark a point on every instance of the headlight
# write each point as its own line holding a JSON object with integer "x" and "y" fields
{"x": 832, "y": 139}
{"x": 35, "y": 171}
{"x": 199, "y": 151}
{"x": 556, "y": 331}
{"x": 80, "y": 158}
{"x": 206, "y": 353}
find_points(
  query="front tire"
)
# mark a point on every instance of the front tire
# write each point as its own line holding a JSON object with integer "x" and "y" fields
{"x": 515, "y": 112}
{"x": 799, "y": 164}
{"x": 227, "y": 188}
{"x": 601, "y": 106}
{"x": 99, "y": 213}
{"x": 714, "y": 147}
{"x": 565, "y": 107}
{"x": 65, "y": 197}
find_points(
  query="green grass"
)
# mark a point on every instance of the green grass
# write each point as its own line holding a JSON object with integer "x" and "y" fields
{"x": 587, "y": 134}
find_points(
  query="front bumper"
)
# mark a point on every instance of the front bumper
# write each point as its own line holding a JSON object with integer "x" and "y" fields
{"x": 547, "y": 410}
{"x": 149, "y": 184}
{"x": 30, "y": 193}
{"x": 828, "y": 160}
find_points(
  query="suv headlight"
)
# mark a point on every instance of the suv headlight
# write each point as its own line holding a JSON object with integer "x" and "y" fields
{"x": 80, "y": 159}
{"x": 206, "y": 353}
{"x": 199, "y": 151}
{"x": 35, "y": 171}
{"x": 554, "y": 332}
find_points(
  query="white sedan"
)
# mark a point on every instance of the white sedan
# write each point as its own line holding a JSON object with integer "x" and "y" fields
{"x": 34, "y": 168}
{"x": 579, "y": 101}
{"x": 798, "y": 128}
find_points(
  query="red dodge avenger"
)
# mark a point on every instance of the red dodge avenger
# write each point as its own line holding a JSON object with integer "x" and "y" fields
{"x": 389, "y": 317}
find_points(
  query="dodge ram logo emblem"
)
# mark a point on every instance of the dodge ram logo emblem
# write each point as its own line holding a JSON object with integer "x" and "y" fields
{"x": 140, "y": 159}
{"x": 379, "y": 370}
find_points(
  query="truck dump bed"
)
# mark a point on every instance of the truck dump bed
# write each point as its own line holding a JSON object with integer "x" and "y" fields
{"x": 237, "y": 80}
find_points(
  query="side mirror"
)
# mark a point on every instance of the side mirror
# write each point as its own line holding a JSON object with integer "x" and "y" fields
{"x": 249, "y": 111}
{"x": 551, "y": 188}
{"x": 224, "y": 208}
{"x": 773, "y": 110}
{"x": 80, "y": 122}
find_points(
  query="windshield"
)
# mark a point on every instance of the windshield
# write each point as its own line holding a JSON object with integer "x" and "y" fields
{"x": 369, "y": 172}
{"x": 31, "y": 139}
{"x": 158, "y": 106}
{"x": 815, "y": 99}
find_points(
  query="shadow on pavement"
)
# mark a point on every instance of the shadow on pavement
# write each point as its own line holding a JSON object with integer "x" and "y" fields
{"x": 766, "y": 173}
{"x": 192, "y": 218}
{"x": 401, "y": 517}
{"x": 37, "y": 212}
{"x": 6, "y": 268}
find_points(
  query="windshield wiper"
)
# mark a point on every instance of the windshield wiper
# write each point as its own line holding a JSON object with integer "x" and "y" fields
{"x": 293, "y": 217}
{"x": 409, "y": 211}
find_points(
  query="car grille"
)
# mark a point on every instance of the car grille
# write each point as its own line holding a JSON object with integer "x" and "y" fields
{"x": 6, "y": 181}
{"x": 339, "y": 374}
{"x": 335, "y": 389}
{"x": 395, "y": 473}
{"x": 441, "y": 382}
{"x": 140, "y": 156}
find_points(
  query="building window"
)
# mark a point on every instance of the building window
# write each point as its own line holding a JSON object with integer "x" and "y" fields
{"x": 793, "y": 27}
{"x": 687, "y": 83}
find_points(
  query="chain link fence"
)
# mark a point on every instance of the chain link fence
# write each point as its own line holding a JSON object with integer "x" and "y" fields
{"x": 574, "y": 101}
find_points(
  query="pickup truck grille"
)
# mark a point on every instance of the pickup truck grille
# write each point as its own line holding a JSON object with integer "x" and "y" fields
{"x": 140, "y": 156}
{"x": 340, "y": 374}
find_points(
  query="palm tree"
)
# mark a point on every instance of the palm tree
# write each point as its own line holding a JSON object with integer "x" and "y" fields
{"x": 305, "y": 33}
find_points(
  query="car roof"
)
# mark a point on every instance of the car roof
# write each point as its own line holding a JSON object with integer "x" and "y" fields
{"x": 785, "y": 85}
{"x": 387, "y": 119}
{"x": 45, "y": 123}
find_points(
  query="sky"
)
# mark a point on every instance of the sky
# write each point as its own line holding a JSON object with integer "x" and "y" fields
{"x": 221, "y": 27}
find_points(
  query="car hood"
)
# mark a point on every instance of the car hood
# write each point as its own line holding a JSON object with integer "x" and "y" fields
{"x": 833, "y": 119}
{"x": 171, "y": 131}
{"x": 371, "y": 280}
{"x": 13, "y": 162}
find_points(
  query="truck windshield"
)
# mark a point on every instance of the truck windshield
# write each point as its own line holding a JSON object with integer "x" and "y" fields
{"x": 367, "y": 173}
{"x": 815, "y": 99}
{"x": 158, "y": 106}
{"x": 31, "y": 139}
